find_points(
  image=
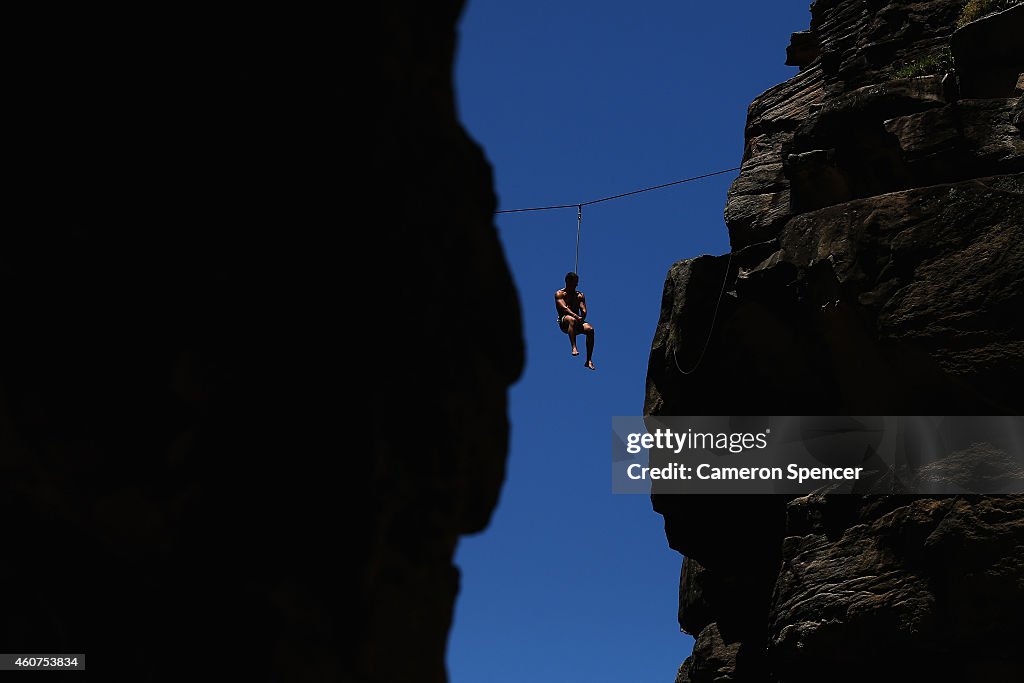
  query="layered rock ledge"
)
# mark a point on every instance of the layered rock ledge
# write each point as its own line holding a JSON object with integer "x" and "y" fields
{"x": 877, "y": 267}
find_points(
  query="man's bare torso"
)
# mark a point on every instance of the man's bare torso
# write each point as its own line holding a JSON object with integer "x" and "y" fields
{"x": 570, "y": 299}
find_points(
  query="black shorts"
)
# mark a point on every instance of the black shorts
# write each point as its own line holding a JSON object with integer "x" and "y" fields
{"x": 565, "y": 328}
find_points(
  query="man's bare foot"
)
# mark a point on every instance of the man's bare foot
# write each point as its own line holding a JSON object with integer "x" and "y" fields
{"x": 589, "y": 364}
{"x": 575, "y": 352}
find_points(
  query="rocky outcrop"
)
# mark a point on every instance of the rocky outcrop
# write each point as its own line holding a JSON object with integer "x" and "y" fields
{"x": 438, "y": 453}
{"x": 898, "y": 589}
{"x": 185, "y": 492}
{"x": 876, "y": 227}
{"x": 759, "y": 198}
{"x": 439, "y": 443}
{"x": 988, "y": 55}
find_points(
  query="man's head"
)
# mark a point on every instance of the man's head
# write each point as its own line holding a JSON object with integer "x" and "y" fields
{"x": 571, "y": 280}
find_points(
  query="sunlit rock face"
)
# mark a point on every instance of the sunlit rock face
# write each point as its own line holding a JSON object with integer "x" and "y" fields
{"x": 877, "y": 228}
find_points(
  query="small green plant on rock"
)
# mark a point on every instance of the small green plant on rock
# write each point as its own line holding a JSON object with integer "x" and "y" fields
{"x": 935, "y": 63}
{"x": 941, "y": 60}
{"x": 976, "y": 9}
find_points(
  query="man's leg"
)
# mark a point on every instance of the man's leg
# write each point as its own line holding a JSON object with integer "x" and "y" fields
{"x": 588, "y": 330}
{"x": 572, "y": 336}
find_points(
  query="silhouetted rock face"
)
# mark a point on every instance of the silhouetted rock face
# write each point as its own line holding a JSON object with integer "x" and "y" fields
{"x": 187, "y": 489}
{"x": 877, "y": 268}
{"x": 440, "y": 430}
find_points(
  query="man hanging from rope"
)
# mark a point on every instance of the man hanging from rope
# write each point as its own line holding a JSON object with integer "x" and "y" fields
{"x": 571, "y": 306}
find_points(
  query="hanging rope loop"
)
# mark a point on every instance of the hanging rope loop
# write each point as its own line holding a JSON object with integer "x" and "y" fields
{"x": 714, "y": 318}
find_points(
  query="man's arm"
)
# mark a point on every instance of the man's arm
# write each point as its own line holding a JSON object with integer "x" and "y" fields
{"x": 583, "y": 305}
{"x": 563, "y": 308}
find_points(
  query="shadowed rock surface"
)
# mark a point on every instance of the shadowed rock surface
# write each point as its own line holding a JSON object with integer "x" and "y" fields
{"x": 185, "y": 494}
{"x": 439, "y": 449}
{"x": 877, "y": 269}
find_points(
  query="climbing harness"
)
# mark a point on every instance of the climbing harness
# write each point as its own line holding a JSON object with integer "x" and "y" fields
{"x": 725, "y": 279}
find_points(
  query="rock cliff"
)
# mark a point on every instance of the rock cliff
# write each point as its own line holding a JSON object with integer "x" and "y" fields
{"x": 187, "y": 492}
{"x": 877, "y": 267}
{"x": 438, "y": 451}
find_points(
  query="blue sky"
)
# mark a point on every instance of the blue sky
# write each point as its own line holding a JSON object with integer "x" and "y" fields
{"x": 572, "y": 101}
